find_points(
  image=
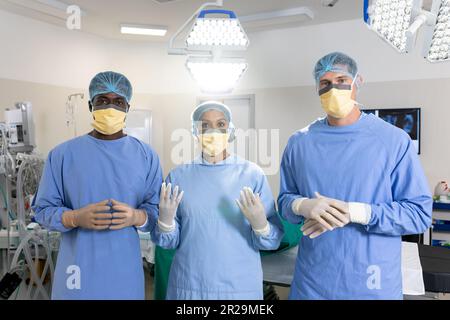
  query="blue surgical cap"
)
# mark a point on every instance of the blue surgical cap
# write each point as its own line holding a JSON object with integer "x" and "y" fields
{"x": 110, "y": 82}
{"x": 206, "y": 106}
{"x": 335, "y": 62}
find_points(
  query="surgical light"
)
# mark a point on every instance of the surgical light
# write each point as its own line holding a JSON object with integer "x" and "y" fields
{"x": 438, "y": 39}
{"x": 216, "y": 77}
{"x": 398, "y": 22}
{"x": 392, "y": 19}
{"x": 225, "y": 33}
{"x": 214, "y": 43}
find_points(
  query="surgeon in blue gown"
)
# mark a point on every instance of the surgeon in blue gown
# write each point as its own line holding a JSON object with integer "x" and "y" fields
{"x": 225, "y": 217}
{"x": 97, "y": 190}
{"x": 357, "y": 184}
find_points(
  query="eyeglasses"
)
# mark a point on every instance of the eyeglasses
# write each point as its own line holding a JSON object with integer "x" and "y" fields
{"x": 339, "y": 81}
{"x": 120, "y": 103}
{"x": 334, "y": 86}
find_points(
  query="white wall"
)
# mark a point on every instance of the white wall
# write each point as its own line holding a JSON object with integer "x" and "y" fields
{"x": 285, "y": 58}
{"x": 42, "y": 53}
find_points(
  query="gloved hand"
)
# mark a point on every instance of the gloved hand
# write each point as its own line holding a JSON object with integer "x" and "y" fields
{"x": 126, "y": 216}
{"x": 355, "y": 212}
{"x": 93, "y": 216}
{"x": 168, "y": 205}
{"x": 330, "y": 213}
{"x": 253, "y": 209}
{"x": 312, "y": 229}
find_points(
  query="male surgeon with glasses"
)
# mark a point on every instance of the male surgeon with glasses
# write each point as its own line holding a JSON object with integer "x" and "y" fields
{"x": 98, "y": 190}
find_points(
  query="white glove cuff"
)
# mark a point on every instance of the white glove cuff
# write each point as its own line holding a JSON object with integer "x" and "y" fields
{"x": 165, "y": 228}
{"x": 145, "y": 223}
{"x": 263, "y": 232}
{"x": 296, "y": 206}
{"x": 360, "y": 212}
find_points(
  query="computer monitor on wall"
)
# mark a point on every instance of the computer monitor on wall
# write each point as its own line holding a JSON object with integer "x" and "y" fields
{"x": 408, "y": 119}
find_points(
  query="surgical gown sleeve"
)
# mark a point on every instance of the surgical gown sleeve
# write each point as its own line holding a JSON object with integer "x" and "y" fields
{"x": 49, "y": 203}
{"x": 288, "y": 188}
{"x": 153, "y": 187}
{"x": 411, "y": 209}
{"x": 167, "y": 240}
{"x": 273, "y": 239}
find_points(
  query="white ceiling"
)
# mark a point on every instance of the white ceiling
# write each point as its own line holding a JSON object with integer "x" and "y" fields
{"x": 103, "y": 17}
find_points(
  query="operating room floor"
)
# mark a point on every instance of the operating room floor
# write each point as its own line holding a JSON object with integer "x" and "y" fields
{"x": 282, "y": 292}
{"x": 149, "y": 285}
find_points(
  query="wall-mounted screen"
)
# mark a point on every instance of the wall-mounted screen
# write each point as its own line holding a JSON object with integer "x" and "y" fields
{"x": 407, "y": 119}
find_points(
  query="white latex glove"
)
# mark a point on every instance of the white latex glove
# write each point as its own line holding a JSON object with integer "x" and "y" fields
{"x": 312, "y": 229}
{"x": 253, "y": 209}
{"x": 126, "y": 216}
{"x": 168, "y": 205}
{"x": 330, "y": 213}
{"x": 357, "y": 213}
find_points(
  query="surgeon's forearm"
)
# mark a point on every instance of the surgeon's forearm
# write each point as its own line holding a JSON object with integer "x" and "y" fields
{"x": 272, "y": 240}
{"x": 296, "y": 206}
{"x": 141, "y": 218}
{"x": 264, "y": 231}
{"x": 165, "y": 228}
{"x": 401, "y": 218}
{"x": 68, "y": 219}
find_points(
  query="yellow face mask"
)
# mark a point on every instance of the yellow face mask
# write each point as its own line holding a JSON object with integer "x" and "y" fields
{"x": 108, "y": 120}
{"x": 214, "y": 143}
{"x": 337, "y": 100}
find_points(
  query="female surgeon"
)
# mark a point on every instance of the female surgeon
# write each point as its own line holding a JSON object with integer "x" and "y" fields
{"x": 219, "y": 222}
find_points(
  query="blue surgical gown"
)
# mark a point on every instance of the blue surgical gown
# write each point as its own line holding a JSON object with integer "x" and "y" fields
{"x": 369, "y": 161}
{"x": 87, "y": 170}
{"x": 217, "y": 254}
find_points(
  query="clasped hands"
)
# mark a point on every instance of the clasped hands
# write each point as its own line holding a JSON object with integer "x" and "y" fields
{"x": 322, "y": 214}
{"x": 107, "y": 214}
